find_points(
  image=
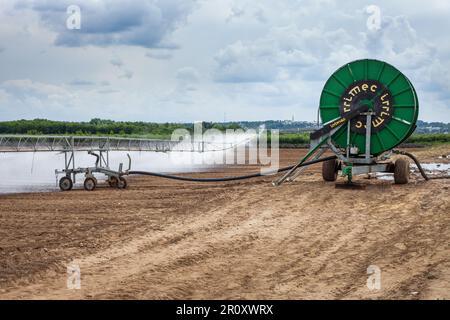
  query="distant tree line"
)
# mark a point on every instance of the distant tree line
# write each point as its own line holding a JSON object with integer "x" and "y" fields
{"x": 289, "y": 126}
{"x": 164, "y": 130}
{"x": 302, "y": 139}
{"x": 101, "y": 127}
{"x": 429, "y": 138}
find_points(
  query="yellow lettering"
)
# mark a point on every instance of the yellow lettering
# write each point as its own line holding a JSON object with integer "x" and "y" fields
{"x": 358, "y": 125}
{"x": 384, "y": 96}
{"x": 377, "y": 122}
{"x": 355, "y": 91}
{"x": 373, "y": 88}
{"x": 338, "y": 122}
{"x": 365, "y": 87}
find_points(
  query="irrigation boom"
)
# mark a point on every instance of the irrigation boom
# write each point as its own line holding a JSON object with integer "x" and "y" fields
{"x": 32, "y": 143}
{"x": 99, "y": 147}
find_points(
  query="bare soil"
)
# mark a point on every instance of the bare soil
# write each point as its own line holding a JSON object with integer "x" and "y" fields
{"x": 163, "y": 239}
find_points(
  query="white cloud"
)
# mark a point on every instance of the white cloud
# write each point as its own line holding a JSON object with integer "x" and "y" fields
{"x": 174, "y": 60}
{"x": 143, "y": 23}
{"x": 127, "y": 74}
{"x": 159, "y": 55}
{"x": 26, "y": 87}
{"x": 188, "y": 74}
{"x": 241, "y": 62}
{"x": 116, "y": 61}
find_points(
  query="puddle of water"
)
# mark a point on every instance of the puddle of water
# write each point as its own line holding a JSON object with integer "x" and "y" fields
{"x": 430, "y": 169}
{"x": 433, "y": 168}
{"x": 384, "y": 176}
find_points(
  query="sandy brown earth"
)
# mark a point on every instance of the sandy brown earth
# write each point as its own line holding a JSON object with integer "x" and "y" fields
{"x": 163, "y": 239}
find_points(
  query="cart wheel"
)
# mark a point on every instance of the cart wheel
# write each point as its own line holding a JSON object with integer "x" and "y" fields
{"x": 330, "y": 170}
{"x": 113, "y": 182}
{"x": 122, "y": 183}
{"x": 401, "y": 171}
{"x": 90, "y": 184}
{"x": 391, "y": 167}
{"x": 65, "y": 184}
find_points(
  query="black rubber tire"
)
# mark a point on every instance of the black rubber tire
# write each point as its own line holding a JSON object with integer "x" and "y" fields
{"x": 113, "y": 182}
{"x": 122, "y": 183}
{"x": 330, "y": 170}
{"x": 391, "y": 167}
{"x": 401, "y": 171}
{"x": 90, "y": 184}
{"x": 65, "y": 184}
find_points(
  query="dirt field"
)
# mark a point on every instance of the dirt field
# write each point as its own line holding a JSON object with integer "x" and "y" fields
{"x": 164, "y": 239}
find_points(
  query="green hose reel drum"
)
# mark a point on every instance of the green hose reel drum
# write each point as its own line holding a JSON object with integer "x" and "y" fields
{"x": 384, "y": 90}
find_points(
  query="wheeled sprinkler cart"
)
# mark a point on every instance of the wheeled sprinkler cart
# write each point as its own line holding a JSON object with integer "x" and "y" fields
{"x": 115, "y": 179}
{"x": 367, "y": 108}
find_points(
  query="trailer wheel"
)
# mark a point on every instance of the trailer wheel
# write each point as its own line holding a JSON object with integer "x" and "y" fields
{"x": 401, "y": 171}
{"x": 113, "y": 182}
{"x": 390, "y": 167}
{"x": 122, "y": 183}
{"x": 65, "y": 184}
{"x": 330, "y": 170}
{"x": 90, "y": 184}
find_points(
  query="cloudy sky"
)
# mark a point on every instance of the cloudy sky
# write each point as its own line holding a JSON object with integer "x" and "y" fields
{"x": 181, "y": 60}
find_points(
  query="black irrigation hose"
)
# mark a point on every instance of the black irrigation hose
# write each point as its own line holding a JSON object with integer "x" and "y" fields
{"x": 422, "y": 172}
{"x": 249, "y": 176}
{"x": 256, "y": 175}
{"x": 419, "y": 166}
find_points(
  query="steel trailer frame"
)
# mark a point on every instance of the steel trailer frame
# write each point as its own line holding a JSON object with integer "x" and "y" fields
{"x": 114, "y": 178}
{"x": 352, "y": 164}
{"x": 361, "y": 165}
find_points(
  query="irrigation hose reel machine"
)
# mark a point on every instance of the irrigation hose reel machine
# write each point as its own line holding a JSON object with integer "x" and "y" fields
{"x": 367, "y": 107}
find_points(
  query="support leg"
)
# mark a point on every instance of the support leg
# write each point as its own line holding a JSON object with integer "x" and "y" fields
{"x": 368, "y": 134}
{"x": 72, "y": 161}
{"x": 301, "y": 169}
{"x": 308, "y": 155}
